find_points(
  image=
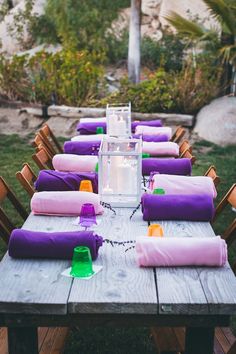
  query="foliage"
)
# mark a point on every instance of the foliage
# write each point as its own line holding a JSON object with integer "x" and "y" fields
{"x": 186, "y": 91}
{"x": 224, "y": 11}
{"x": 72, "y": 76}
{"x": 81, "y": 24}
{"x": 167, "y": 52}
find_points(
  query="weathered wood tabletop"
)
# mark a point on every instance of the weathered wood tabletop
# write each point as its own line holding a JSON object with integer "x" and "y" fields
{"x": 34, "y": 293}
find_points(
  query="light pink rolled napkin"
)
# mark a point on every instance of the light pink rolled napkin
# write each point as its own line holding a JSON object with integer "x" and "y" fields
{"x": 74, "y": 163}
{"x": 144, "y": 129}
{"x": 180, "y": 251}
{"x": 173, "y": 184}
{"x": 161, "y": 148}
{"x": 66, "y": 203}
{"x": 92, "y": 137}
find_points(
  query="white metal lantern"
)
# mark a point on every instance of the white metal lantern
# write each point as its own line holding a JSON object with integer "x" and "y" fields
{"x": 118, "y": 119}
{"x": 119, "y": 172}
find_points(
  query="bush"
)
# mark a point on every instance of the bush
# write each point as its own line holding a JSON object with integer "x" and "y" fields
{"x": 73, "y": 77}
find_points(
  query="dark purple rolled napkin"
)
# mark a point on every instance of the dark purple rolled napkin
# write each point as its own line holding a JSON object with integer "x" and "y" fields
{"x": 152, "y": 138}
{"x": 54, "y": 245}
{"x": 191, "y": 207}
{"x": 82, "y": 147}
{"x": 181, "y": 167}
{"x": 64, "y": 181}
{"x": 86, "y": 128}
{"x": 149, "y": 123}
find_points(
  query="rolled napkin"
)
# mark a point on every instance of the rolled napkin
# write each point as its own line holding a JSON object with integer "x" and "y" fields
{"x": 86, "y": 128}
{"x": 145, "y": 130}
{"x": 184, "y": 185}
{"x": 154, "y": 138}
{"x": 52, "y": 245}
{"x": 64, "y": 181}
{"x": 67, "y": 203}
{"x": 148, "y": 123}
{"x": 192, "y": 207}
{"x": 92, "y": 137}
{"x": 74, "y": 163}
{"x": 161, "y": 149}
{"x": 168, "y": 166}
{"x": 82, "y": 147}
{"x": 180, "y": 251}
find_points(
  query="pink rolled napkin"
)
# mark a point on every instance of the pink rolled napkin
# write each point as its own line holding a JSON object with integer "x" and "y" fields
{"x": 180, "y": 251}
{"x": 143, "y": 129}
{"x": 66, "y": 203}
{"x": 74, "y": 163}
{"x": 92, "y": 137}
{"x": 161, "y": 149}
{"x": 184, "y": 184}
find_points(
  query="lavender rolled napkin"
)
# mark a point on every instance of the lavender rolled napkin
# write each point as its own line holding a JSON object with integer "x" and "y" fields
{"x": 82, "y": 147}
{"x": 152, "y": 138}
{"x": 167, "y": 166}
{"x": 86, "y": 128}
{"x": 148, "y": 123}
{"x": 64, "y": 181}
{"x": 53, "y": 245}
{"x": 181, "y": 251}
{"x": 190, "y": 207}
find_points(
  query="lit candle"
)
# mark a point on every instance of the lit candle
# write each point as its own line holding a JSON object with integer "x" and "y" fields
{"x": 121, "y": 127}
{"x": 112, "y": 124}
{"x": 107, "y": 190}
{"x": 125, "y": 178}
{"x": 115, "y": 161}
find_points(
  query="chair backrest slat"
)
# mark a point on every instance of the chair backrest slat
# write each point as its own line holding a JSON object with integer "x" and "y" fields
{"x": 178, "y": 135}
{"x": 211, "y": 172}
{"x": 27, "y": 177}
{"x": 50, "y": 138}
{"x": 42, "y": 159}
{"x": 187, "y": 154}
{"x": 184, "y": 147}
{"x": 40, "y": 141}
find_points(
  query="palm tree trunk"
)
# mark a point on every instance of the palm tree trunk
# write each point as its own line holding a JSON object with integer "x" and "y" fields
{"x": 134, "y": 41}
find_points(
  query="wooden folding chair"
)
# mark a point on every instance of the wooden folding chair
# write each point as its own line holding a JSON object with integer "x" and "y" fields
{"x": 27, "y": 177}
{"x": 178, "y": 135}
{"x": 171, "y": 339}
{"x": 184, "y": 146}
{"x": 6, "y": 225}
{"x": 228, "y": 200}
{"x": 211, "y": 172}
{"x": 43, "y": 160}
{"x": 187, "y": 154}
{"x": 39, "y": 142}
{"x": 50, "y": 139}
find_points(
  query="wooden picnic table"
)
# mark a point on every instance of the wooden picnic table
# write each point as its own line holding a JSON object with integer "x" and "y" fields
{"x": 33, "y": 293}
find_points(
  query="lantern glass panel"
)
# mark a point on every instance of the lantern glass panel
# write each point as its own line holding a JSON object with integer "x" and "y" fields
{"x": 120, "y": 171}
{"x": 118, "y": 119}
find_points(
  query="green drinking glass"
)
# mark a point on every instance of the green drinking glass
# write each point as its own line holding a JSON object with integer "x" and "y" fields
{"x": 158, "y": 191}
{"x": 81, "y": 262}
{"x": 145, "y": 155}
{"x": 99, "y": 130}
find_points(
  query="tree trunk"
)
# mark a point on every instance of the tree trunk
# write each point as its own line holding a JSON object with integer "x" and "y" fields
{"x": 134, "y": 41}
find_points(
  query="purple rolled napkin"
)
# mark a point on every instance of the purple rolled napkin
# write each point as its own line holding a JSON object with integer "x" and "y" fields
{"x": 190, "y": 207}
{"x": 149, "y": 123}
{"x": 64, "y": 181}
{"x": 152, "y": 138}
{"x": 86, "y": 128}
{"x": 82, "y": 147}
{"x": 52, "y": 245}
{"x": 170, "y": 166}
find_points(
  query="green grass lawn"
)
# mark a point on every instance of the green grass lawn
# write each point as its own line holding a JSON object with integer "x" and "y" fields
{"x": 14, "y": 151}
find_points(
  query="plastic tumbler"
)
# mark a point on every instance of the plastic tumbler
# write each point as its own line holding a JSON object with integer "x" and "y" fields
{"x": 87, "y": 215}
{"x": 155, "y": 230}
{"x": 86, "y": 186}
{"x": 158, "y": 191}
{"x": 145, "y": 155}
{"x": 99, "y": 130}
{"x": 81, "y": 262}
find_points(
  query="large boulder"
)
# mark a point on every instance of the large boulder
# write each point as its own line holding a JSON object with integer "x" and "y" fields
{"x": 216, "y": 122}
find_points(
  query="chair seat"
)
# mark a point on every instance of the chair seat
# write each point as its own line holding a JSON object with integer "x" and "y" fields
{"x": 51, "y": 340}
{"x": 171, "y": 339}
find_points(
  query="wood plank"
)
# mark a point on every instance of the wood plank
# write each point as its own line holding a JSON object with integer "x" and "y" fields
{"x": 121, "y": 287}
{"x": 3, "y": 341}
{"x": 59, "y": 344}
{"x": 36, "y": 286}
{"x": 222, "y": 339}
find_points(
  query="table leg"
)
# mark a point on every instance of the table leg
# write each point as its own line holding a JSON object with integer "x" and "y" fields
{"x": 199, "y": 340}
{"x": 23, "y": 340}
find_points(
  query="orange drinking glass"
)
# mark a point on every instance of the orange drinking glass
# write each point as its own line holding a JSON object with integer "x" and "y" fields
{"x": 155, "y": 230}
{"x": 86, "y": 186}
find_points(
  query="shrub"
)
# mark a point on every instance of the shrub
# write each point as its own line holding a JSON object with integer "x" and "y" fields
{"x": 74, "y": 77}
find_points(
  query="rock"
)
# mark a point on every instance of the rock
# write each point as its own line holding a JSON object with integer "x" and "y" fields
{"x": 62, "y": 126}
{"x": 150, "y": 7}
{"x": 155, "y": 23}
{"x": 216, "y": 122}
{"x": 49, "y": 48}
